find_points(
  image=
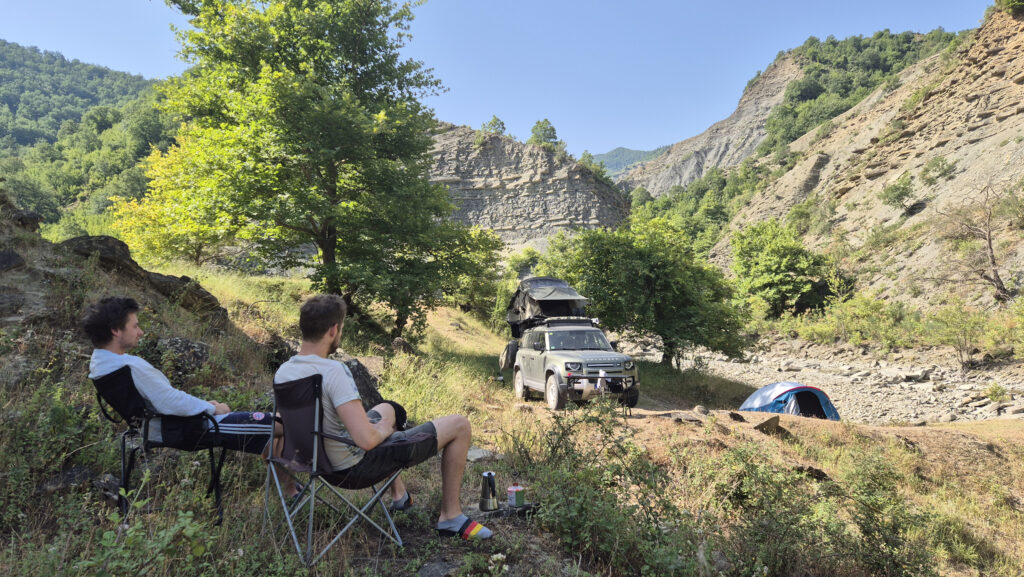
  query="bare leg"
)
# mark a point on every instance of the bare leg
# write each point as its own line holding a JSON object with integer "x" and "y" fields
{"x": 454, "y": 434}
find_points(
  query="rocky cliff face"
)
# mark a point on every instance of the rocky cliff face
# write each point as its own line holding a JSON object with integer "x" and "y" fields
{"x": 968, "y": 112}
{"x": 726, "y": 143}
{"x": 522, "y": 192}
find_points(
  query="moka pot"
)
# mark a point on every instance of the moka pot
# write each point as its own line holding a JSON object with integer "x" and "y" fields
{"x": 488, "y": 493}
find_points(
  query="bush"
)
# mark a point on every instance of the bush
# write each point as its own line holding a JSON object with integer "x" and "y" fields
{"x": 603, "y": 496}
{"x": 1012, "y": 7}
{"x": 960, "y": 327}
{"x": 937, "y": 169}
{"x": 898, "y": 193}
{"x": 773, "y": 266}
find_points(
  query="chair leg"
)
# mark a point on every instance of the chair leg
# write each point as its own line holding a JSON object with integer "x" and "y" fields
{"x": 127, "y": 464}
{"x": 216, "y": 464}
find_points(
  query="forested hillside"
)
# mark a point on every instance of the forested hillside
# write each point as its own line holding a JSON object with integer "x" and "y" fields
{"x": 71, "y": 180}
{"x": 40, "y": 90}
{"x": 619, "y": 159}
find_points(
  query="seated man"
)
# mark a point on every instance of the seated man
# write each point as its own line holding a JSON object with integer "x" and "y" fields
{"x": 321, "y": 320}
{"x": 112, "y": 324}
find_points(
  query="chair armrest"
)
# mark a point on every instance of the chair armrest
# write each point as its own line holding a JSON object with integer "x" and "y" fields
{"x": 338, "y": 438}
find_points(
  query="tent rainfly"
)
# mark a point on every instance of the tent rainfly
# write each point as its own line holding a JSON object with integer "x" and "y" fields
{"x": 792, "y": 399}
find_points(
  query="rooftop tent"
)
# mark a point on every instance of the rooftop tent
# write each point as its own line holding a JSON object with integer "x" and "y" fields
{"x": 792, "y": 399}
{"x": 543, "y": 297}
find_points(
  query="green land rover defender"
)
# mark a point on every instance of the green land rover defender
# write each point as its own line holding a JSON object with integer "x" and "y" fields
{"x": 561, "y": 353}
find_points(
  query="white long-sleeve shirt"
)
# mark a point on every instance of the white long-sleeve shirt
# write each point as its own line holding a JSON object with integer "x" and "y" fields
{"x": 154, "y": 387}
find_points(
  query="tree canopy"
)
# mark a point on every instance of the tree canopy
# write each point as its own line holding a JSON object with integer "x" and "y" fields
{"x": 41, "y": 91}
{"x": 646, "y": 281}
{"x": 772, "y": 266}
{"x": 840, "y": 73}
{"x": 306, "y": 122}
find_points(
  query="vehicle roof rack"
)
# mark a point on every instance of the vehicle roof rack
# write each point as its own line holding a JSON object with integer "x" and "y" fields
{"x": 557, "y": 321}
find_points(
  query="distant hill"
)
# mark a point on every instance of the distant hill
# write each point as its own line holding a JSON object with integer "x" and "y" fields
{"x": 617, "y": 160}
{"x": 39, "y": 90}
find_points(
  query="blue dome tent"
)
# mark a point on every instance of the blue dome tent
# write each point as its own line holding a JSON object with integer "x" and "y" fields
{"x": 792, "y": 399}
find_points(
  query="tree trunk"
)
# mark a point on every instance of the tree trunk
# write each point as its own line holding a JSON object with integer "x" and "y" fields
{"x": 329, "y": 252}
{"x": 400, "y": 320}
{"x": 1002, "y": 293}
{"x": 668, "y": 354}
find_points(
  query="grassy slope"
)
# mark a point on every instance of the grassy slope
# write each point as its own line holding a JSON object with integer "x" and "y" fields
{"x": 959, "y": 484}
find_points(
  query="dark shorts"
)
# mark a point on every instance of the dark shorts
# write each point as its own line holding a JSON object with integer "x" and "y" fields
{"x": 403, "y": 449}
{"x": 248, "y": 432}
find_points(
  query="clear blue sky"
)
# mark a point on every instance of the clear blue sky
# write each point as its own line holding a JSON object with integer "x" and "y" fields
{"x": 607, "y": 73}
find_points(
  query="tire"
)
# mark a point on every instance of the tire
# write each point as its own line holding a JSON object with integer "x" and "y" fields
{"x": 507, "y": 360}
{"x": 556, "y": 400}
{"x": 519, "y": 387}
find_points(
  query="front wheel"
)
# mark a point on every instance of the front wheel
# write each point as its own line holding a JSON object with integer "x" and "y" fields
{"x": 555, "y": 399}
{"x": 519, "y": 386}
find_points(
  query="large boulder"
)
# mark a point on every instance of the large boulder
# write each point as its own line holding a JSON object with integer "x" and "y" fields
{"x": 366, "y": 382}
{"x": 10, "y": 260}
{"x": 190, "y": 296}
{"x": 113, "y": 254}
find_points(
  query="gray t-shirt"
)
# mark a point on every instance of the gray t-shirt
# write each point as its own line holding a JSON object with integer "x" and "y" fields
{"x": 338, "y": 388}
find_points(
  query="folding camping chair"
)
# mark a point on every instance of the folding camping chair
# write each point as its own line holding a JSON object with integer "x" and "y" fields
{"x": 192, "y": 433}
{"x": 298, "y": 403}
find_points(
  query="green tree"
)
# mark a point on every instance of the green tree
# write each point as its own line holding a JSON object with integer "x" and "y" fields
{"x": 494, "y": 126}
{"x": 646, "y": 282}
{"x": 596, "y": 168}
{"x": 320, "y": 139}
{"x": 772, "y": 266}
{"x": 639, "y": 197}
{"x": 543, "y": 134}
{"x": 898, "y": 193}
{"x": 166, "y": 224}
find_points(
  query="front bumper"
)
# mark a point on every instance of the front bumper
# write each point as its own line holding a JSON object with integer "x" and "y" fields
{"x": 585, "y": 387}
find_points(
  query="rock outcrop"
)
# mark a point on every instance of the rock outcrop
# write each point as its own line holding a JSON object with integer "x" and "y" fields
{"x": 727, "y": 143}
{"x": 522, "y": 192}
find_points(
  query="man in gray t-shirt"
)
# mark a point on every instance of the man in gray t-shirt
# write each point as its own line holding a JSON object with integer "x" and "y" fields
{"x": 321, "y": 320}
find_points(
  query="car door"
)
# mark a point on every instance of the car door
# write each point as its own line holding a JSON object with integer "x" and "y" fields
{"x": 528, "y": 358}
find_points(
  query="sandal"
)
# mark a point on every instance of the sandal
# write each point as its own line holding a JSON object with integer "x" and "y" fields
{"x": 392, "y": 508}
{"x": 470, "y": 530}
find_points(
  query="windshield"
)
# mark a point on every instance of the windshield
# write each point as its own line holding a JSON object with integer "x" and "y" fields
{"x": 590, "y": 340}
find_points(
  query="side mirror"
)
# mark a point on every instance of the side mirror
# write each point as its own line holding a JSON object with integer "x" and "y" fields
{"x": 538, "y": 346}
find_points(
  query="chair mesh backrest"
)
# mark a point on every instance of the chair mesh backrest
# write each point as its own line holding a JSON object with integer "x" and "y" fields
{"x": 299, "y": 406}
{"x": 118, "y": 390}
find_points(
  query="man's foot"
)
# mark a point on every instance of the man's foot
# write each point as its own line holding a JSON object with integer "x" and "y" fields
{"x": 403, "y": 504}
{"x": 463, "y": 527}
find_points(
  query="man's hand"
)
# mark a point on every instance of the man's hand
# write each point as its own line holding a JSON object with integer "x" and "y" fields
{"x": 220, "y": 408}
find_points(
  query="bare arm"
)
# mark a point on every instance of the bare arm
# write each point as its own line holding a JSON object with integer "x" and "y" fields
{"x": 366, "y": 435}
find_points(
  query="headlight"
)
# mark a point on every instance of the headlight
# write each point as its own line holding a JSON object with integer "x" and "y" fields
{"x": 573, "y": 366}
{"x": 628, "y": 365}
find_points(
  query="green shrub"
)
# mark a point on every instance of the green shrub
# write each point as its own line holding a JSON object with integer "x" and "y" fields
{"x": 898, "y": 193}
{"x": 603, "y": 496}
{"x": 997, "y": 393}
{"x": 937, "y": 169}
{"x": 1013, "y": 7}
{"x": 958, "y": 326}
{"x": 772, "y": 265}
